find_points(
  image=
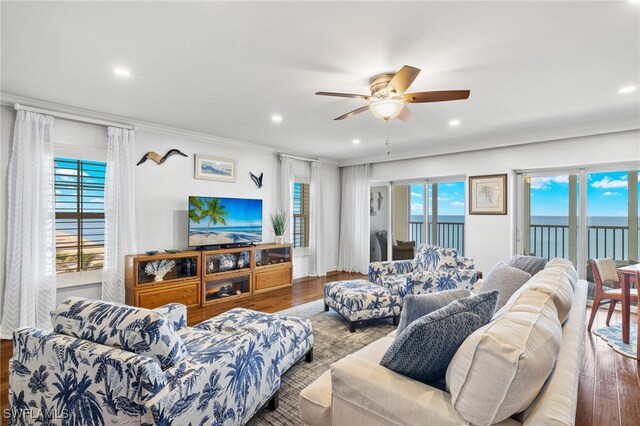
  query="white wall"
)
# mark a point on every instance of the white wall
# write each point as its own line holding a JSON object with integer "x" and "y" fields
{"x": 162, "y": 191}
{"x": 489, "y": 239}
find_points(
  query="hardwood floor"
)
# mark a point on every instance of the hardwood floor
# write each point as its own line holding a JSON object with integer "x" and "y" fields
{"x": 608, "y": 393}
{"x": 609, "y": 389}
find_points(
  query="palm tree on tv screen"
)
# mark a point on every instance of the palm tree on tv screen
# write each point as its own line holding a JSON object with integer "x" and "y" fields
{"x": 211, "y": 208}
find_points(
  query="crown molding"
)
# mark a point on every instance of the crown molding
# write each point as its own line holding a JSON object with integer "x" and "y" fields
{"x": 8, "y": 99}
{"x": 444, "y": 147}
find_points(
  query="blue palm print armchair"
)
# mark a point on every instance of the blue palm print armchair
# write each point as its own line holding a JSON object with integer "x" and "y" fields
{"x": 106, "y": 363}
{"x": 433, "y": 269}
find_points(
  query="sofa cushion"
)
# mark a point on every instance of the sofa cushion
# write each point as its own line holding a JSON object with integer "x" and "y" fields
{"x": 530, "y": 264}
{"x": 315, "y": 401}
{"x": 556, "y": 284}
{"x": 137, "y": 330}
{"x": 501, "y": 367}
{"x": 430, "y": 257}
{"x": 423, "y": 350}
{"x": 419, "y": 305}
{"x": 554, "y": 280}
{"x": 506, "y": 280}
{"x": 566, "y": 266}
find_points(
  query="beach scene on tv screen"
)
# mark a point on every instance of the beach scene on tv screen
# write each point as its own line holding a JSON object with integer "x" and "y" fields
{"x": 215, "y": 221}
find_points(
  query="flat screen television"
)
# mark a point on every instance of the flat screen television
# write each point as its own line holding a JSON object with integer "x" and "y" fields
{"x": 216, "y": 221}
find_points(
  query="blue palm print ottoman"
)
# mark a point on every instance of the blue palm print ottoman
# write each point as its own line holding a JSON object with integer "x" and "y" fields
{"x": 296, "y": 334}
{"x": 360, "y": 300}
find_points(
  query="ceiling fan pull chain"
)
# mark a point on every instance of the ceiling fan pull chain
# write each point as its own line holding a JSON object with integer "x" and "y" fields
{"x": 386, "y": 128}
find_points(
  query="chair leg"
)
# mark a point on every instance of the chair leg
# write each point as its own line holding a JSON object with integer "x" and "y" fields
{"x": 612, "y": 306}
{"x": 326, "y": 307}
{"x": 274, "y": 401}
{"x": 396, "y": 320}
{"x": 309, "y": 356}
{"x": 594, "y": 311}
{"x": 352, "y": 326}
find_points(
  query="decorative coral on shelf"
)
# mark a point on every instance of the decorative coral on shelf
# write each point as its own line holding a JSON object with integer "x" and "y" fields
{"x": 159, "y": 268}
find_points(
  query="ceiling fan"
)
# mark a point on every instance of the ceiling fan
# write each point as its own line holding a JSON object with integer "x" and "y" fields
{"x": 388, "y": 100}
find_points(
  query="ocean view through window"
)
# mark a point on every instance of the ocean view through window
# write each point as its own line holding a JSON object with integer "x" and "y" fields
{"x": 79, "y": 189}
{"x": 553, "y": 209}
{"x": 447, "y": 229}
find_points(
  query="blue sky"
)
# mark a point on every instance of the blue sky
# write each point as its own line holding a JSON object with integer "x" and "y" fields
{"x": 607, "y": 195}
{"x": 450, "y": 199}
{"x": 242, "y": 212}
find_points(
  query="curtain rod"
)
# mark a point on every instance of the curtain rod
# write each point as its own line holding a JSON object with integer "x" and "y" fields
{"x": 296, "y": 157}
{"x": 73, "y": 117}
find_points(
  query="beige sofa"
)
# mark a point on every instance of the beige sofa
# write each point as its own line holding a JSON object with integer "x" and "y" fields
{"x": 357, "y": 390}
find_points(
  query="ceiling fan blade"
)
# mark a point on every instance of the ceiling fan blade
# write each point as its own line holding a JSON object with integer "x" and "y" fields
{"x": 403, "y": 79}
{"x": 343, "y": 95}
{"x": 352, "y": 113}
{"x": 437, "y": 96}
{"x": 405, "y": 115}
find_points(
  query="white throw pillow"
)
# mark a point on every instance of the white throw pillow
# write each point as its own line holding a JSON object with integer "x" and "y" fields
{"x": 499, "y": 369}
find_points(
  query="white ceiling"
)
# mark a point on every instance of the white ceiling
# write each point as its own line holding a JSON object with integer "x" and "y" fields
{"x": 534, "y": 68}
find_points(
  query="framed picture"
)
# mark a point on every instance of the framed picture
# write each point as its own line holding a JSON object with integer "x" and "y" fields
{"x": 488, "y": 194}
{"x": 215, "y": 168}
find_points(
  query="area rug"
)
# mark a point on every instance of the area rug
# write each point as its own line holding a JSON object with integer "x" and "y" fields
{"x": 613, "y": 336}
{"x": 333, "y": 341}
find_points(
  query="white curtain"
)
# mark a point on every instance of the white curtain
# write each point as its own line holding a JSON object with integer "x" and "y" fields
{"x": 317, "y": 257}
{"x": 119, "y": 211}
{"x": 30, "y": 276}
{"x": 354, "y": 219}
{"x": 284, "y": 201}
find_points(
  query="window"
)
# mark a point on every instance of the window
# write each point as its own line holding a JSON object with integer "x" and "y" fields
{"x": 300, "y": 215}
{"x": 580, "y": 215}
{"x": 79, "y": 186}
{"x": 446, "y": 214}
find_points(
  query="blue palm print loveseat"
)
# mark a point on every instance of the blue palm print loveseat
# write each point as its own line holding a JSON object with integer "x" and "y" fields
{"x": 433, "y": 269}
{"x": 105, "y": 363}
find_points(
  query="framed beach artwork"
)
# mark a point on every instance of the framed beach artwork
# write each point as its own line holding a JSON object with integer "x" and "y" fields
{"x": 215, "y": 168}
{"x": 488, "y": 194}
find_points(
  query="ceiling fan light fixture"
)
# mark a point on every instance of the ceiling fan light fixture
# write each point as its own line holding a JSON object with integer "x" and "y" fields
{"x": 386, "y": 109}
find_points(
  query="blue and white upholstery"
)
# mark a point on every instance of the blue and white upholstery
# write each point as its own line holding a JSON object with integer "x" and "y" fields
{"x": 176, "y": 313}
{"x": 296, "y": 334}
{"x": 226, "y": 374}
{"x": 137, "y": 330}
{"x": 433, "y": 269}
{"x": 359, "y": 300}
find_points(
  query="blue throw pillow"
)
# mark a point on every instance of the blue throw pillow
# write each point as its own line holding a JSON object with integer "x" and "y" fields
{"x": 415, "y": 306}
{"x": 425, "y": 348}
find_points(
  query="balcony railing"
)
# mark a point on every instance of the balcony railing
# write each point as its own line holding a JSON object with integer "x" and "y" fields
{"x": 450, "y": 234}
{"x": 602, "y": 241}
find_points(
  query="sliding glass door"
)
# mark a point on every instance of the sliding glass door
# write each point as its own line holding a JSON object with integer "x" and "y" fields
{"x": 446, "y": 214}
{"x": 551, "y": 215}
{"x": 579, "y": 215}
{"x": 611, "y": 229}
{"x": 404, "y": 215}
{"x": 407, "y": 210}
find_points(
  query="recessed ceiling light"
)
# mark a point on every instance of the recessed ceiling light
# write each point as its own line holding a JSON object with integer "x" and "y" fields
{"x": 356, "y": 141}
{"x": 454, "y": 123}
{"x": 627, "y": 89}
{"x": 276, "y": 118}
{"x": 121, "y": 72}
